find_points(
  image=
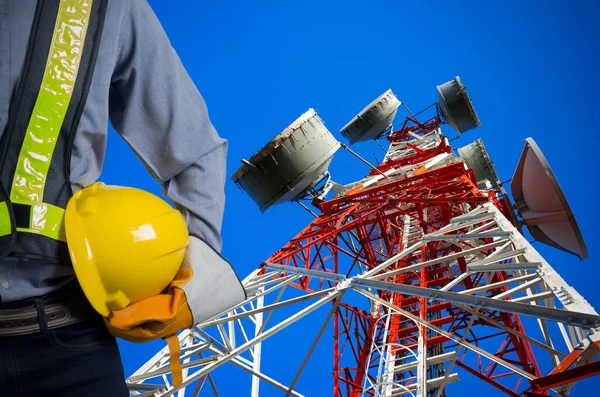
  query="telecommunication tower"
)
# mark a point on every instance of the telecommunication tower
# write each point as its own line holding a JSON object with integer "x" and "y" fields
{"x": 420, "y": 268}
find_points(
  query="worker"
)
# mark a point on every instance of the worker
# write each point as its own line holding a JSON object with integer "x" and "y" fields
{"x": 67, "y": 67}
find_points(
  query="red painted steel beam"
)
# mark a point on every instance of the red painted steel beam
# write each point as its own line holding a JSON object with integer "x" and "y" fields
{"x": 433, "y": 177}
{"x": 436, "y": 340}
{"x": 435, "y": 308}
{"x": 568, "y": 376}
{"x": 438, "y": 323}
{"x": 374, "y": 215}
{"x": 487, "y": 379}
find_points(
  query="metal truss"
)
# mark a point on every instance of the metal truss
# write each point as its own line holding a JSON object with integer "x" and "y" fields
{"x": 416, "y": 334}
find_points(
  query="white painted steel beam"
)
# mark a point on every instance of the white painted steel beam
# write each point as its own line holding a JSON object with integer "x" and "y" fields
{"x": 504, "y": 267}
{"x": 438, "y": 260}
{"x": 271, "y": 331}
{"x": 449, "y": 335}
{"x": 499, "y": 257}
{"x": 518, "y": 288}
{"x": 453, "y": 378}
{"x": 533, "y": 297}
{"x": 580, "y": 319}
{"x": 508, "y": 245}
{"x": 440, "y": 358}
{"x": 487, "y": 287}
{"x": 572, "y": 300}
{"x": 465, "y": 236}
{"x": 307, "y": 272}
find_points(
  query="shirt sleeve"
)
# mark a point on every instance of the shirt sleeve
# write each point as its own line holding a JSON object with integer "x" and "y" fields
{"x": 155, "y": 106}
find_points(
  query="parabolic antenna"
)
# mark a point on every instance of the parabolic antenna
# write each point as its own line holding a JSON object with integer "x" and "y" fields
{"x": 456, "y": 107}
{"x": 542, "y": 204}
{"x": 290, "y": 163}
{"x": 476, "y": 157}
{"x": 373, "y": 120}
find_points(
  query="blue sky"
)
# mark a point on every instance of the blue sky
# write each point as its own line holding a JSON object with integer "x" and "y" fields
{"x": 531, "y": 69}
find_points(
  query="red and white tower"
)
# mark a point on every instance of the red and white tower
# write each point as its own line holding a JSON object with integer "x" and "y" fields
{"x": 420, "y": 267}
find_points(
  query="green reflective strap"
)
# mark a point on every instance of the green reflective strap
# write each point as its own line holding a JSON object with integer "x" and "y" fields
{"x": 5, "y": 228}
{"x": 47, "y": 220}
{"x": 49, "y": 112}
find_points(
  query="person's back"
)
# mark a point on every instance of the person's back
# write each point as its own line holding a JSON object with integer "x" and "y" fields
{"x": 138, "y": 82}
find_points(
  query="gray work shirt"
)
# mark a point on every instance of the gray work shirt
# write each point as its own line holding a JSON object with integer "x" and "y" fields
{"x": 139, "y": 84}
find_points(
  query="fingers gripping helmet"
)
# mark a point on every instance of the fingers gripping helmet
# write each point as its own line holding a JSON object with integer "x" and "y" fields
{"x": 125, "y": 244}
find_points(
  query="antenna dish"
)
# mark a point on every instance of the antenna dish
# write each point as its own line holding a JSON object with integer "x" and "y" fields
{"x": 292, "y": 162}
{"x": 542, "y": 203}
{"x": 476, "y": 157}
{"x": 456, "y": 107}
{"x": 373, "y": 120}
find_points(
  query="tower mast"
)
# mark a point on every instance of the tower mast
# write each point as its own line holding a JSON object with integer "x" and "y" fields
{"x": 420, "y": 267}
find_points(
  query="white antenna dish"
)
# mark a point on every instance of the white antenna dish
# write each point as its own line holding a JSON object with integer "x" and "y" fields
{"x": 373, "y": 120}
{"x": 292, "y": 162}
{"x": 456, "y": 107}
{"x": 542, "y": 203}
{"x": 476, "y": 157}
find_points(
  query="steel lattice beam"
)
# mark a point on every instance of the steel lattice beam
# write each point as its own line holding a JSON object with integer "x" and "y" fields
{"x": 444, "y": 271}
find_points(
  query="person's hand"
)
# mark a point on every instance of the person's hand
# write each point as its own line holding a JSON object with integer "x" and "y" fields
{"x": 205, "y": 286}
{"x": 160, "y": 316}
{"x": 156, "y": 317}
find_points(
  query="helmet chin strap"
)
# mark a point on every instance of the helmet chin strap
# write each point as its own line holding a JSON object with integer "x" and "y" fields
{"x": 175, "y": 351}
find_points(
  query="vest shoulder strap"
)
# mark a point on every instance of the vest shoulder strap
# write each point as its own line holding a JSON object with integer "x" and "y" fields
{"x": 44, "y": 115}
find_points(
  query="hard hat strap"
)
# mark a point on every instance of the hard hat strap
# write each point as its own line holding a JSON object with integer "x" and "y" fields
{"x": 174, "y": 352}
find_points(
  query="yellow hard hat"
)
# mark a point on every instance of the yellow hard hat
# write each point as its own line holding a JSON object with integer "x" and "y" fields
{"x": 126, "y": 244}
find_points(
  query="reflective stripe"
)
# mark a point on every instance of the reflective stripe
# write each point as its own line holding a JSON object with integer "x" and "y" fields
{"x": 4, "y": 219}
{"x": 47, "y": 220}
{"x": 47, "y": 117}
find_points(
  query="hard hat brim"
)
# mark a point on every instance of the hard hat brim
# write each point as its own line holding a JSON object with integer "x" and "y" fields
{"x": 83, "y": 260}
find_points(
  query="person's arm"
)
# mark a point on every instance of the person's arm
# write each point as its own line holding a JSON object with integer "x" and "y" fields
{"x": 156, "y": 107}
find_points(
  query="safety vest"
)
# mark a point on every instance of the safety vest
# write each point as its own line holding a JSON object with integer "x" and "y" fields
{"x": 35, "y": 151}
